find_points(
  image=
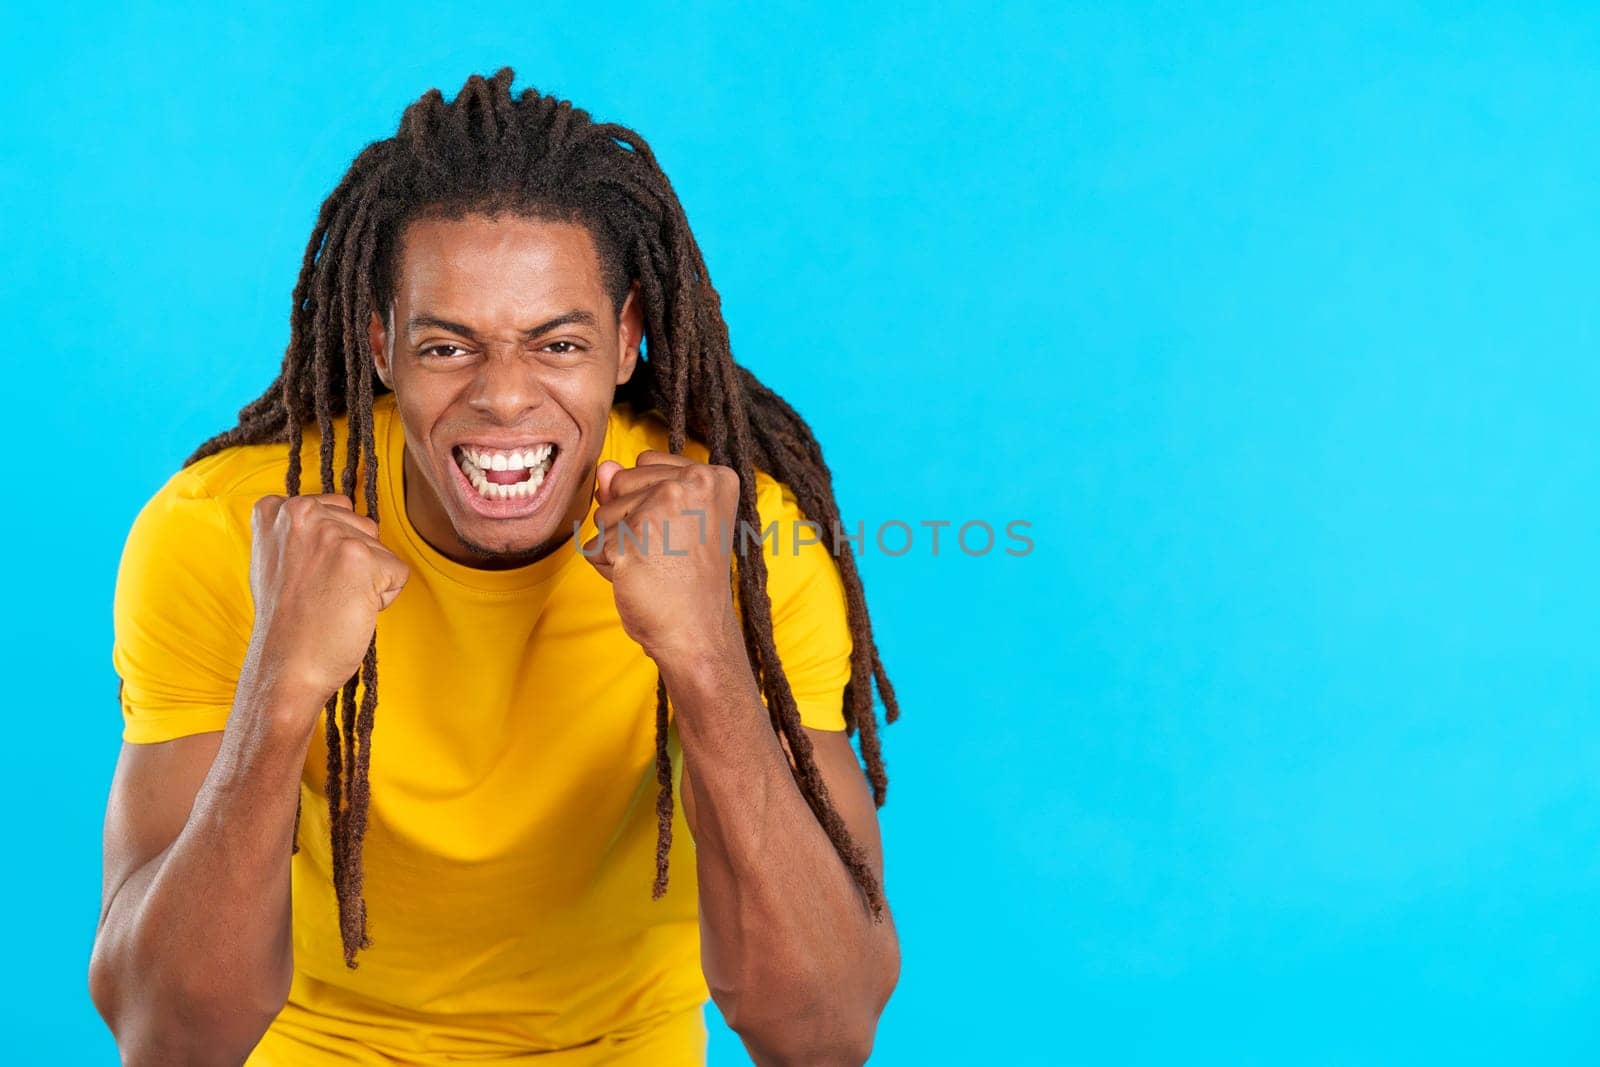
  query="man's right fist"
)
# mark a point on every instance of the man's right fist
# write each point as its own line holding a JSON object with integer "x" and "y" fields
{"x": 319, "y": 576}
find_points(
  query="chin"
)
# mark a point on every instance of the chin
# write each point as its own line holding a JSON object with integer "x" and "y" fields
{"x": 509, "y": 547}
{"x": 511, "y": 542}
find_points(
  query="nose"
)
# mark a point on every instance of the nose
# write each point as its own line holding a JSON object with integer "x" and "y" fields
{"x": 506, "y": 389}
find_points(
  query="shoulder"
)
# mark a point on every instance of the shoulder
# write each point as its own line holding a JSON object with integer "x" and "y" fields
{"x": 243, "y": 470}
{"x": 193, "y": 532}
{"x": 229, "y": 482}
{"x": 253, "y": 471}
{"x": 203, "y": 503}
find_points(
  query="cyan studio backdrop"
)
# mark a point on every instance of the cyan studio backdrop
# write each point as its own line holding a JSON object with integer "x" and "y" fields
{"x": 1276, "y": 322}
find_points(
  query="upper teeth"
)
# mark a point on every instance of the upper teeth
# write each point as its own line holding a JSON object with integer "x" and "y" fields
{"x": 514, "y": 460}
{"x": 536, "y": 461}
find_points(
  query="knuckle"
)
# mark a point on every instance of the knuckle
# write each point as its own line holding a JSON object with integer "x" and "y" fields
{"x": 262, "y": 514}
{"x": 350, "y": 550}
{"x": 299, "y": 509}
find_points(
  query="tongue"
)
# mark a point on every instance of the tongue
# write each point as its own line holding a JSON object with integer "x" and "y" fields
{"x": 506, "y": 477}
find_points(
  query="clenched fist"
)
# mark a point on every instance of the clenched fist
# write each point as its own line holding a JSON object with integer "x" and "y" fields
{"x": 319, "y": 576}
{"x": 664, "y": 543}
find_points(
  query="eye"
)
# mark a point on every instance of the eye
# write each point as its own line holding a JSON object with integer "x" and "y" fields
{"x": 561, "y": 348}
{"x": 443, "y": 351}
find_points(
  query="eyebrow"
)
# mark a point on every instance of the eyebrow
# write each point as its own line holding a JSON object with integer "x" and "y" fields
{"x": 575, "y": 317}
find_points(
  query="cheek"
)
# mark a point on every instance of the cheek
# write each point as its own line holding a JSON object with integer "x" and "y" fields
{"x": 420, "y": 417}
{"x": 585, "y": 396}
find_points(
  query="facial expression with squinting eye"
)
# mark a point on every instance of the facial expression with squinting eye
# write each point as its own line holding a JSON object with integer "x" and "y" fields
{"x": 504, "y": 352}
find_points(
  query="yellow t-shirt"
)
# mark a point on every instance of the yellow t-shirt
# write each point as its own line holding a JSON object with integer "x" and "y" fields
{"x": 510, "y": 848}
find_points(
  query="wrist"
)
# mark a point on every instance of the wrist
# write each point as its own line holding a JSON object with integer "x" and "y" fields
{"x": 284, "y": 701}
{"x": 703, "y": 655}
{"x": 269, "y": 731}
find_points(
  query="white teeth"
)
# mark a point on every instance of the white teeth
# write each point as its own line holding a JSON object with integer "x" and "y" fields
{"x": 517, "y": 459}
{"x": 536, "y": 461}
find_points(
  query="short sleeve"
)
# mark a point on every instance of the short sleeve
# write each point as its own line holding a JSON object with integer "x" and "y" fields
{"x": 182, "y": 615}
{"x": 810, "y": 623}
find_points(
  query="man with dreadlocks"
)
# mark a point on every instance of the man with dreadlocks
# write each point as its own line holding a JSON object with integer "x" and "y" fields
{"x": 509, "y": 368}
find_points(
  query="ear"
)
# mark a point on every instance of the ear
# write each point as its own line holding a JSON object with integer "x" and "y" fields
{"x": 631, "y": 333}
{"x": 378, "y": 338}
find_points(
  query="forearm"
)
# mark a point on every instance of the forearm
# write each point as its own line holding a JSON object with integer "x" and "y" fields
{"x": 790, "y": 949}
{"x": 195, "y": 956}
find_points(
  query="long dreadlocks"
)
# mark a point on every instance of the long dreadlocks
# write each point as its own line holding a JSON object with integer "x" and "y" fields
{"x": 540, "y": 157}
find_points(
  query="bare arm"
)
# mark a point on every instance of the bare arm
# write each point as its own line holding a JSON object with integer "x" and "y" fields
{"x": 194, "y": 954}
{"x": 790, "y": 951}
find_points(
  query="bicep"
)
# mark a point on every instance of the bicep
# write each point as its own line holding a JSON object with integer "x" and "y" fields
{"x": 153, "y": 791}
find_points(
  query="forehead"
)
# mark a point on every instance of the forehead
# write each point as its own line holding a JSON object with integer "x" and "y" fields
{"x": 496, "y": 265}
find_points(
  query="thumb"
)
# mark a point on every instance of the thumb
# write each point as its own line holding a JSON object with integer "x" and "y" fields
{"x": 391, "y": 578}
{"x": 603, "y": 474}
{"x": 388, "y": 595}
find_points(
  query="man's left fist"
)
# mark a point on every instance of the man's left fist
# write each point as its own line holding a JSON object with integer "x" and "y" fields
{"x": 665, "y": 528}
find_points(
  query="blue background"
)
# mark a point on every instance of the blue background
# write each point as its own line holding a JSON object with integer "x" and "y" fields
{"x": 1277, "y": 325}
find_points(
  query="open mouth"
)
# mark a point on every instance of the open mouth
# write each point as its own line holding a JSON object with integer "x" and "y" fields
{"x": 505, "y": 474}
